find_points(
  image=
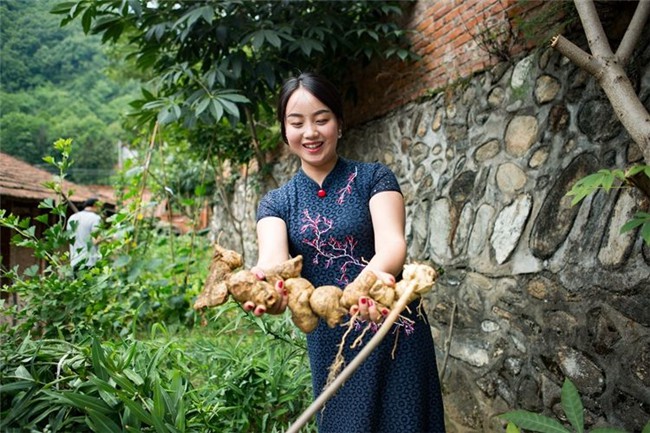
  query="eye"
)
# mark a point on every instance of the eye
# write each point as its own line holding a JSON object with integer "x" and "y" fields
{"x": 296, "y": 124}
{"x": 322, "y": 121}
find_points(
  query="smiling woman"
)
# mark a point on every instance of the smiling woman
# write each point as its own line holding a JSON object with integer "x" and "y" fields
{"x": 312, "y": 131}
{"x": 332, "y": 212}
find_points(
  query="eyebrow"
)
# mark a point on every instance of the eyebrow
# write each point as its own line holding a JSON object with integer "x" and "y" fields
{"x": 323, "y": 111}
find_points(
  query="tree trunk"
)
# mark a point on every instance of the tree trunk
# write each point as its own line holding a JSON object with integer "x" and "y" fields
{"x": 607, "y": 68}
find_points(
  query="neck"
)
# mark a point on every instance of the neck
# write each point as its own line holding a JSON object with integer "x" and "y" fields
{"x": 318, "y": 173}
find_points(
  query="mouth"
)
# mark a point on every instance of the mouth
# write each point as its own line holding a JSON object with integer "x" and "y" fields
{"x": 313, "y": 145}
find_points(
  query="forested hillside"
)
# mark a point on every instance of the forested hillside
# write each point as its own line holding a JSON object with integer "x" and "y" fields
{"x": 55, "y": 83}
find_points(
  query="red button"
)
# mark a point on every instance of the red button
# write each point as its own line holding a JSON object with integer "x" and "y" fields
{"x": 321, "y": 193}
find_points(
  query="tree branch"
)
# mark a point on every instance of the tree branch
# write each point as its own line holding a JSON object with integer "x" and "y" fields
{"x": 593, "y": 28}
{"x": 633, "y": 32}
{"x": 577, "y": 55}
{"x": 609, "y": 73}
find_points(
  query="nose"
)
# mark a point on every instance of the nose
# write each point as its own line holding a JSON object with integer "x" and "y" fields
{"x": 311, "y": 130}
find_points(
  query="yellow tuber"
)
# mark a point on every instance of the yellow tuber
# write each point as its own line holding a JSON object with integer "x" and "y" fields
{"x": 358, "y": 288}
{"x": 306, "y": 303}
{"x": 421, "y": 277}
{"x": 244, "y": 286}
{"x": 215, "y": 291}
{"x": 284, "y": 271}
{"x": 299, "y": 291}
{"x": 325, "y": 302}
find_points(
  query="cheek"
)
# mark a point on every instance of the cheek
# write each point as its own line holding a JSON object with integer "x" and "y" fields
{"x": 332, "y": 130}
{"x": 292, "y": 136}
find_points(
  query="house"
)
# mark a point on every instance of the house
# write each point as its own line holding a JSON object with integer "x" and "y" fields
{"x": 22, "y": 188}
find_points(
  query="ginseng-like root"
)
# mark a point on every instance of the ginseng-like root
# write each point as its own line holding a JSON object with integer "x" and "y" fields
{"x": 339, "y": 360}
{"x": 357, "y": 341}
{"x": 306, "y": 303}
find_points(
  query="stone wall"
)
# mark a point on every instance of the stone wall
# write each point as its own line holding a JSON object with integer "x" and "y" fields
{"x": 534, "y": 290}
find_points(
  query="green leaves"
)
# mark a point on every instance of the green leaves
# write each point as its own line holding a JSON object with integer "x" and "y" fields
{"x": 573, "y": 409}
{"x": 259, "y": 37}
{"x": 209, "y": 60}
{"x": 572, "y": 406}
{"x": 236, "y": 378}
{"x": 640, "y": 219}
{"x": 107, "y": 405}
{"x": 534, "y": 422}
{"x": 609, "y": 179}
{"x": 602, "y": 179}
{"x": 216, "y": 379}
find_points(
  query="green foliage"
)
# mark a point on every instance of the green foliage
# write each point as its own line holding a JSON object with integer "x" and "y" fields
{"x": 132, "y": 281}
{"x": 53, "y": 85}
{"x": 573, "y": 410}
{"x": 213, "y": 381}
{"x": 256, "y": 387}
{"x": 94, "y": 387}
{"x": 115, "y": 349}
{"x": 211, "y": 60}
{"x": 607, "y": 180}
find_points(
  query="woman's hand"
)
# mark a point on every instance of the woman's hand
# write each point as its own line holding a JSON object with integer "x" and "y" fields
{"x": 259, "y": 310}
{"x": 367, "y": 308}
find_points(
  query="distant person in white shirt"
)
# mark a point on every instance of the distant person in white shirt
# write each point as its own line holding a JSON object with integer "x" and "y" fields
{"x": 83, "y": 252}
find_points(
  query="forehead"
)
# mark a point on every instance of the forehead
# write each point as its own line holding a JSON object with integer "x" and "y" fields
{"x": 303, "y": 103}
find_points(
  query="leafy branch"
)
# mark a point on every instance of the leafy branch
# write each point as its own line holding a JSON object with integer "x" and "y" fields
{"x": 636, "y": 176}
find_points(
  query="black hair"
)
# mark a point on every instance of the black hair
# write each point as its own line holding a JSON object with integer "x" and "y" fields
{"x": 90, "y": 202}
{"x": 317, "y": 85}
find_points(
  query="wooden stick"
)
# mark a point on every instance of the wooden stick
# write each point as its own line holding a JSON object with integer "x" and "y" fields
{"x": 354, "y": 364}
{"x": 448, "y": 343}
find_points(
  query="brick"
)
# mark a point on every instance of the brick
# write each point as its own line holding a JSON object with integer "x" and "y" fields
{"x": 443, "y": 36}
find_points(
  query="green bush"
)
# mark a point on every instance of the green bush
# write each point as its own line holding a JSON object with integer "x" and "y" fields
{"x": 202, "y": 382}
{"x": 117, "y": 349}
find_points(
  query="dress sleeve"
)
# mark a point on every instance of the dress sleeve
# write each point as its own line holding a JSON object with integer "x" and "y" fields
{"x": 270, "y": 206}
{"x": 384, "y": 180}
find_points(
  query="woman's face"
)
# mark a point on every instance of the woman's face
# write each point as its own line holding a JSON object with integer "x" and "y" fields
{"x": 312, "y": 130}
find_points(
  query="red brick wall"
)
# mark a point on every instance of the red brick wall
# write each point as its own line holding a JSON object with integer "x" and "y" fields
{"x": 442, "y": 34}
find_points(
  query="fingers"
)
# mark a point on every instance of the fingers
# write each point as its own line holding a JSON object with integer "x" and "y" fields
{"x": 368, "y": 309}
{"x": 385, "y": 277}
{"x": 249, "y": 306}
{"x": 257, "y": 310}
{"x": 258, "y": 272}
{"x": 277, "y": 308}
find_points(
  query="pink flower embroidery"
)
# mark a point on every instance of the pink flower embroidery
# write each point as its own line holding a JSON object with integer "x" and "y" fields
{"x": 329, "y": 250}
{"x": 347, "y": 189}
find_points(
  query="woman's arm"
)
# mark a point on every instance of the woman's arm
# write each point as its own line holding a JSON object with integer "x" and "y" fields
{"x": 388, "y": 219}
{"x": 273, "y": 249}
{"x": 272, "y": 242}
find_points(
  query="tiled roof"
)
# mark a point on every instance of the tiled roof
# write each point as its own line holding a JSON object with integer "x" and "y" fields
{"x": 19, "y": 179}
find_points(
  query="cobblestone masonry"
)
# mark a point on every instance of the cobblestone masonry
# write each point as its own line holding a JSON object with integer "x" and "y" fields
{"x": 537, "y": 290}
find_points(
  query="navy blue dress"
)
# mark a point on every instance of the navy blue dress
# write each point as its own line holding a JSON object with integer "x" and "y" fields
{"x": 394, "y": 390}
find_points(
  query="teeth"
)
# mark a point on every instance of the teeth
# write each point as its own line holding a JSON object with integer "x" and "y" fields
{"x": 312, "y": 146}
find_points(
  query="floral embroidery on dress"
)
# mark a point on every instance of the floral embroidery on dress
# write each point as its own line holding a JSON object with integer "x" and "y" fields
{"x": 347, "y": 189}
{"x": 330, "y": 250}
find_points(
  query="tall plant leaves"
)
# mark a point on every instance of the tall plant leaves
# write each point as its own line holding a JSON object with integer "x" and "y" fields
{"x": 572, "y": 405}
{"x": 101, "y": 423}
{"x": 534, "y": 422}
{"x": 607, "y": 430}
